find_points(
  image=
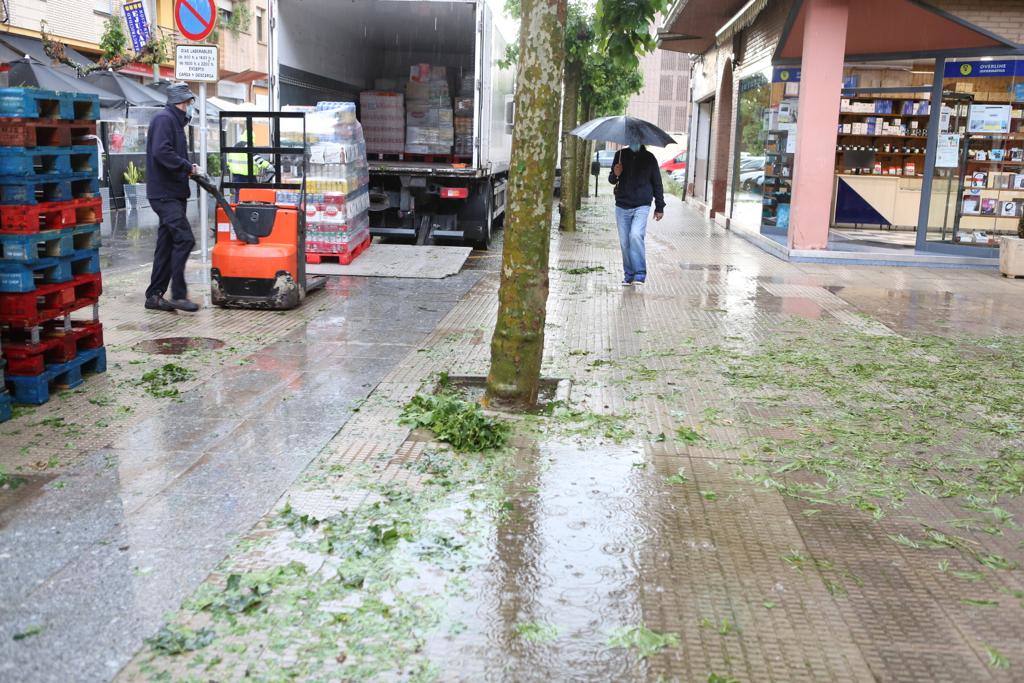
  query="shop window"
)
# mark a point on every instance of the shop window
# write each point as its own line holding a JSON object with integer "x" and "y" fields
{"x": 978, "y": 191}
{"x": 762, "y": 164}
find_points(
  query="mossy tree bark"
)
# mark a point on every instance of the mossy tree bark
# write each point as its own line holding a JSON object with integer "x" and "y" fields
{"x": 571, "y": 145}
{"x": 517, "y": 347}
{"x": 585, "y": 156}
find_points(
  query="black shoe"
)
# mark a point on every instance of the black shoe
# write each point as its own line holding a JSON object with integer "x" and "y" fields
{"x": 183, "y": 305}
{"x": 158, "y": 303}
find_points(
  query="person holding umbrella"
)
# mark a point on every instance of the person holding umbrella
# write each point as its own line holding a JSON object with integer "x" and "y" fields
{"x": 637, "y": 180}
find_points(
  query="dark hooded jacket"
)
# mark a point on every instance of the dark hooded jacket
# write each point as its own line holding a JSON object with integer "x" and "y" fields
{"x": 167, "y": 164}
{"x": 640, "y": 182}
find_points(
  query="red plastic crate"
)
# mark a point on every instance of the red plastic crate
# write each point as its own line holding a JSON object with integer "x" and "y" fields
{"x": 30, "y": 218}
{"x": 56, "y": 345}
{"x": 50, "y": 301}
{"x": 43, "y": 132}
{"x": 344, "y": 258}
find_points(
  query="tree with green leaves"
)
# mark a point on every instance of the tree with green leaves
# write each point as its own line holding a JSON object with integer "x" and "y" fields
{"x": 517, "y": 346}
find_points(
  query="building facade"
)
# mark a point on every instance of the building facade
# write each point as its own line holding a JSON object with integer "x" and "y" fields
{"x": 665, "y": 97}
{"x": 832, "y": 124}
{"x": 242, "y": 36}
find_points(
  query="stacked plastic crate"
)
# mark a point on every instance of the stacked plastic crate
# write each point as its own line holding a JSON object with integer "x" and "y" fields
{"x": 50, "y": 215}
{"x": 338, "y": 199}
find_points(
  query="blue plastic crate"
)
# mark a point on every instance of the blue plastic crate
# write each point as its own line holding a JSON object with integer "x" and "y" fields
{"x": 83, "y": 261}
{"x": 30, "y": 103}
{"x": 23, "y": 276}
{"x": 86, "y": 236}
{"x": 49, "y": 243}
{"x": 5, "y": 406}
{"x": 17, "y": 163}
{"x": 39, "y": 190}
{"x": 35, "y": 389}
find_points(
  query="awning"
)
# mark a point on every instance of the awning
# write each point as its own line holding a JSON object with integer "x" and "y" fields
{"x": 692, "y": 24}
{"x": 34, "y": 74}
{"x": 227, "y": 105}
{"x": 8, "y": 55}
{"x": 897, "y": 29}
{"x": 33, "y": 47}
{"x": 133, "y": 92}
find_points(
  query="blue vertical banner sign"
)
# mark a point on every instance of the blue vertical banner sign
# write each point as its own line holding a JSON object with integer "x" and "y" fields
{"x": 138, "y": 29}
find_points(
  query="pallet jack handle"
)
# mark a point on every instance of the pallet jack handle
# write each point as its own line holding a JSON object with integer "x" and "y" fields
{"x": 206, "y": 182}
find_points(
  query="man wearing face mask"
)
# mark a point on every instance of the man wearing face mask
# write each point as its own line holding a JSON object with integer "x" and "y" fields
{"x": 167, "y": 172}
{"x": 637, "y": 180}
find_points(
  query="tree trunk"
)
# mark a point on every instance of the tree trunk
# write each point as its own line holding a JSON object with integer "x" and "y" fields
{"x": 517, "y": 347}
{"x": 586, "y": 153}
{"x": 569, "y": 195}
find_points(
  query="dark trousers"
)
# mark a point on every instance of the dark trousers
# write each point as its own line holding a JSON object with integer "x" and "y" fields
{"x": 174, "y": 242}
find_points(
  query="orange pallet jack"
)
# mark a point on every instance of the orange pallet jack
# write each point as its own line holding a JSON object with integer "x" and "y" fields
{"x": 259, "y": 257}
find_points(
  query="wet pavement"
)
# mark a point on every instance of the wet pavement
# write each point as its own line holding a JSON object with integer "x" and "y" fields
{"x": 756, "y": 478}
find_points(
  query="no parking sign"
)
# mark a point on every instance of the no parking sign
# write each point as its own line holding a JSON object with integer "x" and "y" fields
{"x": 195, "y": 19}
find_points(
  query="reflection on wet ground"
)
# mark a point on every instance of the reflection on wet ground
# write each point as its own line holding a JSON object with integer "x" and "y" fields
{"x": 651, "y": 523}
{"x": 129, "y": 237}
{"x": 564, "y": 563}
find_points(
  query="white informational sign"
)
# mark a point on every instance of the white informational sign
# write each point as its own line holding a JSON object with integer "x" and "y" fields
{"x": 196, "y": 63}
{"x": 989, "y": 118}
{"x": 947, "y": 151}
{"x": 945, "y": 114}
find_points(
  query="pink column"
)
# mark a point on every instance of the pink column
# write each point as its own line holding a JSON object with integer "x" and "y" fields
{"x": 821, "y": 82}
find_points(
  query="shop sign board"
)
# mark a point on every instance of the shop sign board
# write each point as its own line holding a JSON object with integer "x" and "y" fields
{"x": 981, "y": 69}
{"x": 947, "y": 151}
{"x": 786, "y": 75}
{"x": 196, "y": 63}
{"x": 989, "y": 118}
{"x": 138, "y": 29}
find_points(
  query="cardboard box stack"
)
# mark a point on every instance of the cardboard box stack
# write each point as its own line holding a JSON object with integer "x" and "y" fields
{"x": 464, "y": 116}
{"x": 428, "y": 114}
{"x": 383, "y": 119}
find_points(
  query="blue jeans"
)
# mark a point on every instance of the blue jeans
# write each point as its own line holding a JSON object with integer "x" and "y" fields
{"x": 632, "y": 228}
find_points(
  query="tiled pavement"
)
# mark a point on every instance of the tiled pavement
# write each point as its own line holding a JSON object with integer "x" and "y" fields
{"x": 599, "y": 541}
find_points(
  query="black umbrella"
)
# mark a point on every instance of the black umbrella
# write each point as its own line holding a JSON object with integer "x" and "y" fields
{"x": 133, "y": 92}
{"x": 34, "y": 74}
{"x": 625, "y": 130}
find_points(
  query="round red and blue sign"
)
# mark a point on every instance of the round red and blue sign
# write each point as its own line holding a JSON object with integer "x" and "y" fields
{"x": 195, "y": 19}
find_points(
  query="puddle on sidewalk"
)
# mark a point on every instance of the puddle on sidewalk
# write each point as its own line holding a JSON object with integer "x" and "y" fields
{"x": 561, "y": 577}
{"x": 18, "y": 490}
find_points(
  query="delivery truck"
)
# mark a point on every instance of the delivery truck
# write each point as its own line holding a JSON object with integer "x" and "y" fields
{"x": 434, "y": 102}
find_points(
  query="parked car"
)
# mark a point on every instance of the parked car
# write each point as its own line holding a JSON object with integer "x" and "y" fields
{"x": 679, "y": 176}
{"x": 605, "y": 157}
{"x": 751, "y": 181}
{"x": 676, "y": 163}
{"x": 751, "y": 164}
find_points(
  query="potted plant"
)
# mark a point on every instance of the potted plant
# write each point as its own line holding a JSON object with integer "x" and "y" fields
{"x": 134, "y": 186}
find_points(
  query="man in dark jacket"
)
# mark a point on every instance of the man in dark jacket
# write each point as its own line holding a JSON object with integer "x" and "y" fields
{"x": 167, "y": 172}
{"x": 637, "y": 180}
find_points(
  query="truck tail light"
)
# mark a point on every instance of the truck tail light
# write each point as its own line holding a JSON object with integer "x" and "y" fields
{"x": 454, "y": 193}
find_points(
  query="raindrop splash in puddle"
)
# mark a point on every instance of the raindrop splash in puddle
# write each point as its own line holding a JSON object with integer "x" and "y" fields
{"x": 173, "y": 346}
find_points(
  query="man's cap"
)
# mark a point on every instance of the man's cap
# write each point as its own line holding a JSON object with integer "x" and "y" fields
{"x": 179, "y": 92}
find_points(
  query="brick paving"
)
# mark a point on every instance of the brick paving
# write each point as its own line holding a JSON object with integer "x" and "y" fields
{"x": 755, "y": 585}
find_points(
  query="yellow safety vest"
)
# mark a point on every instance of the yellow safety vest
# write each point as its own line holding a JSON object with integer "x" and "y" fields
{"x": 238, "y": 164}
